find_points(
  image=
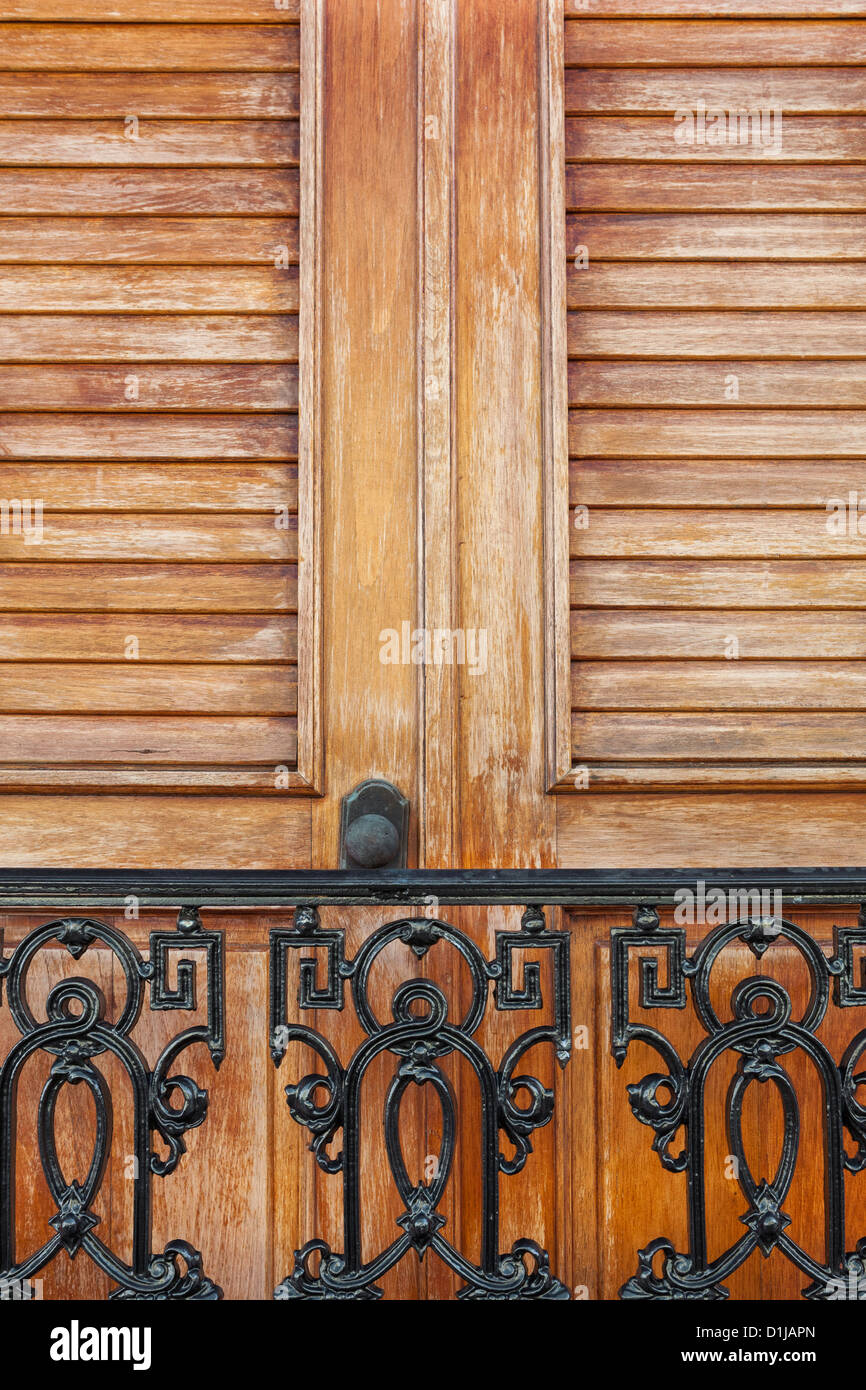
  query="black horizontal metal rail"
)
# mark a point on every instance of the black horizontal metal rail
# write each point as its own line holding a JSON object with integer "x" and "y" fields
{"x": 91, "y": 888}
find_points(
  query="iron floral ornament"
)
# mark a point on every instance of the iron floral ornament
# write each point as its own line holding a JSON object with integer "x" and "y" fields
{"x": 761, "y": 1031}
{"x": 76, "y": 1032}
{"x": 330, "y": 1102}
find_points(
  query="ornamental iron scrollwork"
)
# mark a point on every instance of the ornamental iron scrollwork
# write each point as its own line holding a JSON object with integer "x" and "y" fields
{"x": 76, "y": 1032}
{"x": 329, "y": 1101}
{"x": 761, "y": 1031}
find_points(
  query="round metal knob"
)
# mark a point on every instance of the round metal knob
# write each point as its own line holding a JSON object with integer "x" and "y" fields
{"x": 372, "y": 841}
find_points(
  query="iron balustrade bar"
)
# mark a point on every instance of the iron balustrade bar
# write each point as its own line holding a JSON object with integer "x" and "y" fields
{"x": 110, "y": 888}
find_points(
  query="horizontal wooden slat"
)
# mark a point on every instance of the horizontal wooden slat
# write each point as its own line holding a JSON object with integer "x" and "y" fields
{"x": 199, "y": 637}
{"x": 716, "y": 483}
{"x": 198, "y": 143}
{"x": 188, "y": 831}
{"x": 149, "y": 47}
{"x": 718, "y": 533}
{"x": 816, "y": 138}
{"x": 111, "y": 536}
{"x": 713, "y": 236}
{"x": 719, "y": 483}
{"x": 682, "y": 737}
{"x": 231, "y": 338}
{"x": 149, "y": 240}
{"x": 712, "y": 433}
{"x": 700, "y": 187}
{"x": 717, "y": 685}
{"x": 717, "y": 584}
{"x": 153, "y": 739}
{"x": 208, "y": 96}
{"x": 836, "y": 334}
{"x": 148, "y": 190}
{"x": 745, "y": 383}
{"x": 132, "y": 687}
{"x": 168, "y": 588}
{"x": 154, "y": 387}
{"x": 82, "y": 436}
{"x": 794, "y": 91}
{"x": 699, "y": 285}
{"x": 151, "y": 289}
{"x": 166, "y": 487}
{"x": 646, "y": 635}
{"x": 166, "y": 11}
{"x": 713, "y": 43}
{"x": 623, "y": 831}
{"x": 720, "y": 777}
{"x": 691, "y": 9}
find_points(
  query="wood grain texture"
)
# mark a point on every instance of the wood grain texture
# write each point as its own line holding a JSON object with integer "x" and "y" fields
{"x": 692, "y": 9}
{"x": 643, "y": 91}
{"x": 207, "y": 95}
{"x": 620, "y": 333}
{"x": 185, "y": 831}
{"x": 682, "y": 737}
{"x": 699, "y": 433}
{"x": 149, "y": 290}
{"x": 164, "y": 487}
{"x": 125, "y": 687}
{"x": 718, "y": 584}
{"x": 233, "y": 539}
{"x": 706, "y": 188}
{"x": 164, "y": 191}
{"x": 201, "y": 143}
{"x": 834, "y": 139}
{"x": 733, "y": 829}
{"x": 162, "y": 388}
{"x": 157, "y": 588}
{"x": 438, "y": 813}
{"x": 129, "y": 739}
{"x": 705, "y": 285}
{"x": 170, "y": 637}
{"x": 708, "y": 383}
{"x": 687, "y": 236}
{"x": 500, "y": 422}
{"x": 149, "y": 47}
{"x": 148, "y": 240}
{"x": 713, "y": 43}
{"x": 739, "y": 533}
{"x": 165, "y": 11}
{"x": 113, "y": 436}
{"x": 716, "y": 482}
{"x": 642, "y": 634}
{"x": 719, "y": 685}
{"x": 231, "y": 338}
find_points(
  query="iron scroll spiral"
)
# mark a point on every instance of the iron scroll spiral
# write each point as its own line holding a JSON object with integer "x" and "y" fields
{"x": 761, "y": 1032}
{"x": 76, "y": 1032}
{"x": 419, "y": 1036}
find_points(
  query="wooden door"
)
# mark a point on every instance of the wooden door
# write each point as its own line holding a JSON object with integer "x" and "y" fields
{"x": 325, "y": 322}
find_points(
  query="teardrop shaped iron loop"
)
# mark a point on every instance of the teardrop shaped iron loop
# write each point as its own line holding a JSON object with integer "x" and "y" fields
{"x": 57, "y": 1181}
{"x": 784, "y": 1176}
{"x": 431, "y": 1076}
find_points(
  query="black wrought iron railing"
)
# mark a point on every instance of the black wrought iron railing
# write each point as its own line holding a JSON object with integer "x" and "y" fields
{"x": 420, "y": 1034}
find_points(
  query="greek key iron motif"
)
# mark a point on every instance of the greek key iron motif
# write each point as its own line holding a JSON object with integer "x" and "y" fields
{"x": 761, "y": 1031}
{"x": 75, "y": 1032}
{"x": 330, "y": 1101}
